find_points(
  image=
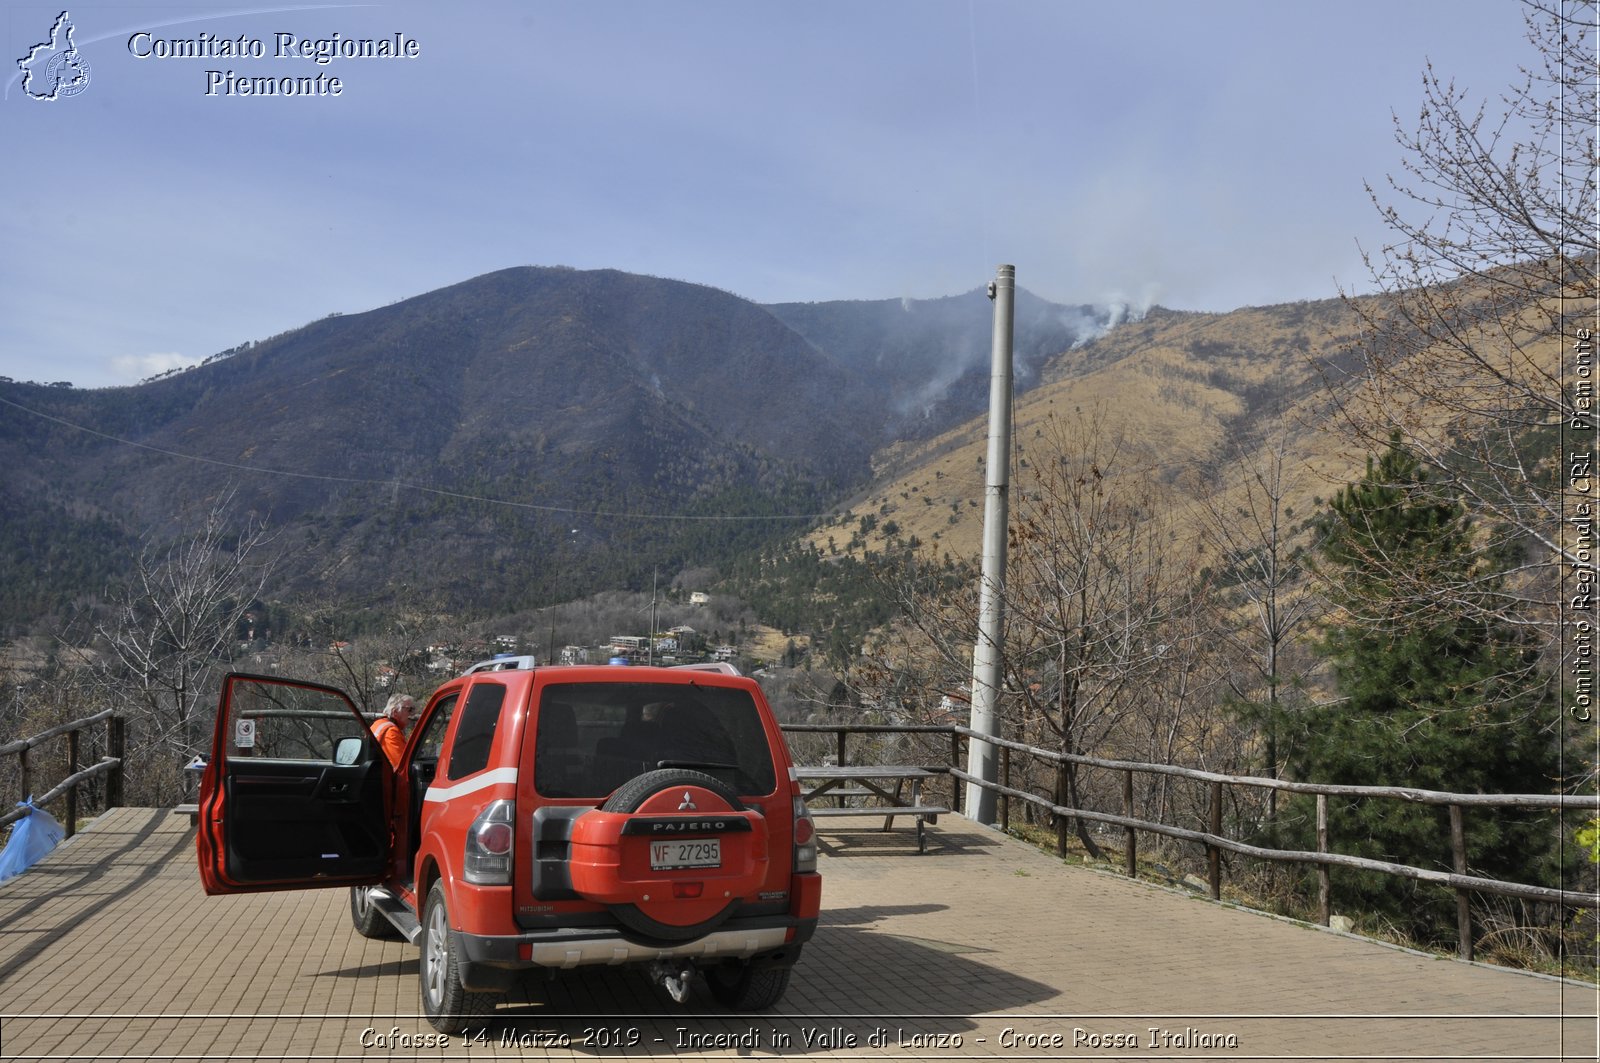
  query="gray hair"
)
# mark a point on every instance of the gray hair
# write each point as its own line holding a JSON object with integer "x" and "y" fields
{"x": 399, "y": 701}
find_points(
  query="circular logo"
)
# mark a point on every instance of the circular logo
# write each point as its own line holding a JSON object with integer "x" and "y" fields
{"x": 67, "y": 73}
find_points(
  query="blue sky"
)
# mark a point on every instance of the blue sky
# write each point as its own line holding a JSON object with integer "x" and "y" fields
{"x": 1200, "y": 155}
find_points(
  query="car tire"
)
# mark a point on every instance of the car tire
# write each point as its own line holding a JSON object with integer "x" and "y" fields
{"x": 446, "y": 1004}
{"x": 639, "y": 789}
{"x": 369, "y": 921}
{"x": 745, "y": 987}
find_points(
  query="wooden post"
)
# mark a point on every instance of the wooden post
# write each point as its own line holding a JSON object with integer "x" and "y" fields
{"x": 1132, "y": 858}
{"x": 955, "y": 762}
{"x": 72, "y": 791}
{"x": 841, "y": 737}
{"x": 1458, "y": 856}
{"x": 1061, "y": 801}
{"x": 1213, "y": 854}
{"x": 27, "y": 776}
{"x": 1324, "y": 897}
{"x": 116, "y": 746}
{"x": 1005, "y": 779}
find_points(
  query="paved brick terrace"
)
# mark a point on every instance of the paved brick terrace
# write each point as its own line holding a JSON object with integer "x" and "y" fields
{"x": 981, "y": 948}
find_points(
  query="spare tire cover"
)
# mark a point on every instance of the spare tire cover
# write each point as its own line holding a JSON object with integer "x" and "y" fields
{"x": 612, "y": 858}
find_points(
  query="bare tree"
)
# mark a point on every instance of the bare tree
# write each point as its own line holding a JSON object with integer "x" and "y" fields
{"x": 1091, "y": 591}
{"x": 1264, "y": 584}
{"x": 173, "y": 625}
{"x": 1109, "y": 648}
{"x": 372, "y": 667}
{"x": 912, "y": 669}
{"x": 1493, "y": 259}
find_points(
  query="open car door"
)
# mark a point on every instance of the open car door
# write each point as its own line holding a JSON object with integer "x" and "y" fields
{"x": 296, "y": 794}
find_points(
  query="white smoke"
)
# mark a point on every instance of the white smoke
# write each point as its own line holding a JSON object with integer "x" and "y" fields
{"x": 934, "y": 391}
{"x": 958, "y": 352}
{"x": 1134, "y": 308}
{"x": 1118, "y": 309}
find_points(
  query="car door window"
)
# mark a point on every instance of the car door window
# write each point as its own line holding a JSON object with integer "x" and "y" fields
{"x": 292, "y": 723}
{"x": 434, "y": 727}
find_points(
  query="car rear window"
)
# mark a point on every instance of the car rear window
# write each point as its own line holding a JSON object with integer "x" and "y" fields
{"x": 591, "y": 738}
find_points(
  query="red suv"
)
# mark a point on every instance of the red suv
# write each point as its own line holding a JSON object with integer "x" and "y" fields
{"x": 541, "y": 818}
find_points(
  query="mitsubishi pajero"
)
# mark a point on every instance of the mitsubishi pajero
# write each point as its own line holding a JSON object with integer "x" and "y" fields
{"x": 542, "y": 817}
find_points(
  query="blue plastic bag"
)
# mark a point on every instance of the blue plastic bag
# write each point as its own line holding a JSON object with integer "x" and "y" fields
{"x": 33, "y": 836}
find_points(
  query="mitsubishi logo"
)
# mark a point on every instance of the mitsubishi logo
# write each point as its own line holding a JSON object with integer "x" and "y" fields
{"x": 687, "y": 803}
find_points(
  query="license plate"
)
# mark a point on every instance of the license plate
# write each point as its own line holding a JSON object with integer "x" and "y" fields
{"x": 673, "y": 855}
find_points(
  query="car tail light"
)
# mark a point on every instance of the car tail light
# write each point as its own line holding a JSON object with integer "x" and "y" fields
{"x": 488, "y": 855}
{"x": 805, "y": 838}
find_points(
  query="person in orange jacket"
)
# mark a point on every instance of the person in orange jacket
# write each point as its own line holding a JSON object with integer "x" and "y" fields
{"x": 390, "y": 728}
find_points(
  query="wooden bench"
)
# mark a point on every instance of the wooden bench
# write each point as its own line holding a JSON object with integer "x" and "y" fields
{"x": 884, "y": 784}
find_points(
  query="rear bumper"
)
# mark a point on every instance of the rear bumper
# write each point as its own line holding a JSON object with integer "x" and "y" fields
{"x": 487, "y": 963}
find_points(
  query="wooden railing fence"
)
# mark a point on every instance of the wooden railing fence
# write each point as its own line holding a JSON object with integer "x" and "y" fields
{"x": 1212, "y": 837}
{"x": 109, "y": 766}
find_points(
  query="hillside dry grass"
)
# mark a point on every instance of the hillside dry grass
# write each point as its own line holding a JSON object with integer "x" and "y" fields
{"x": 1189, "y": 393}
{"x": 1200, "y": 399}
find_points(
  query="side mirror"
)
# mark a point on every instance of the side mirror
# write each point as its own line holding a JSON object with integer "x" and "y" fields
{"x": 348, "y": 751}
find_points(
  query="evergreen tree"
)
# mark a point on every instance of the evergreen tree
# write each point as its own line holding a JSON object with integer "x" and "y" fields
{"x": 1432, "y": 696}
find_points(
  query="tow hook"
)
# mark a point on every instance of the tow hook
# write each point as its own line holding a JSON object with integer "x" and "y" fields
{"x": 674, "y": 978}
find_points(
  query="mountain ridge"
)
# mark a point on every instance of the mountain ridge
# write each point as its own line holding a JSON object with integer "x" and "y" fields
{"x": 553, "y": 419}
{"x": 559, "y": 393}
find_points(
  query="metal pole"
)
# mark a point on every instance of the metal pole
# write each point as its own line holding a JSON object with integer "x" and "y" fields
{"x": 986, "y": 656}
{"x": 651, "y": 659}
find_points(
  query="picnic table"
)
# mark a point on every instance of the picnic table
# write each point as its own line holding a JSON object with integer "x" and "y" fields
{"x": 884, "y": 786}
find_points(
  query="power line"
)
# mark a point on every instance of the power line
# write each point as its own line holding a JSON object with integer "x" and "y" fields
{"x": 405, "y": 484}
